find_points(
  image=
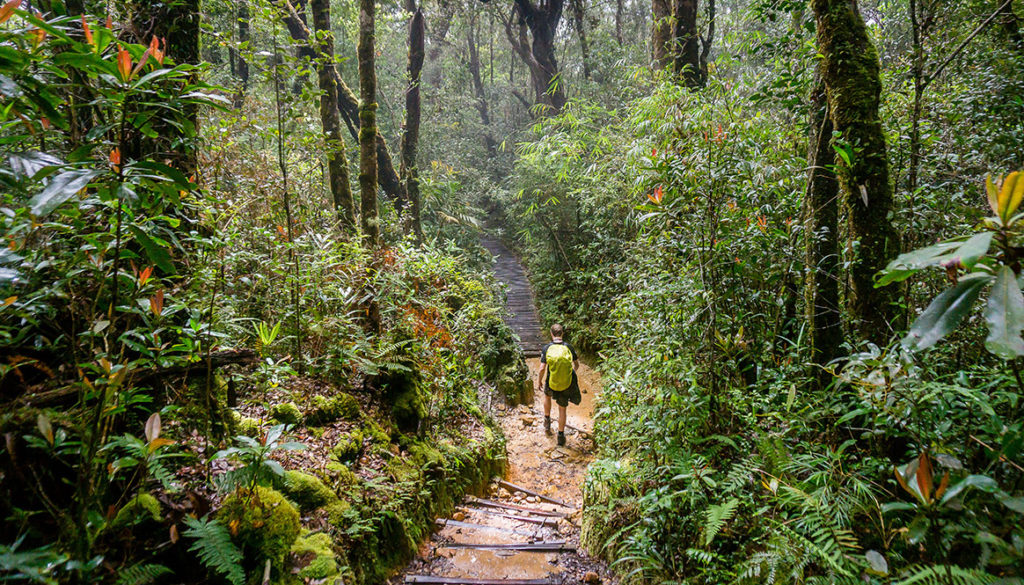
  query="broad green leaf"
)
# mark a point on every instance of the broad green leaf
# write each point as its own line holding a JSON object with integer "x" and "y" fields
{"x": 879, "y": 566}
{"x": 155, "y": 251}
{"x": 974, "y": 248}
{"x": 945, "y": 313}
{"x": 981, "y": 482}
{"x": 1015, "y": 504}
{"x": 906, "y": 264}
{"x": 60, "y": 188}
{"x": 1005, "y": 316}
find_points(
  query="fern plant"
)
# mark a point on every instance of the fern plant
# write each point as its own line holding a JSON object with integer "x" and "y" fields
{"x": 717, "y": 517}
{"x": 215, "y": 548}
{"x": 142, "y": 574}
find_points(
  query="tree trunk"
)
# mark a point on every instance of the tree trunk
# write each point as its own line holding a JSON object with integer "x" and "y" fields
{"x": 821, "y": 288}
{"x": 579, "y": 18}
{"x": 304, "y": 52}
{"x": 349, "y": 107}
{"x": 686, "y": 43}
{"x": 853, "y": 87}
{"x": 707, "y": 41}
{"x": 661, "y": 33}
{"x": 368, "y": 125}
{"x": 539, "y": 53}
{"x": 330, "y": 118}
{"x": 411, "y": 137}
{"x": 437, "y": 39}
{"x": 240, "y": 64}
{"x": 1010, "y": 24}
{"x": 478, "y": 88}
{"x": 618, "y": 22}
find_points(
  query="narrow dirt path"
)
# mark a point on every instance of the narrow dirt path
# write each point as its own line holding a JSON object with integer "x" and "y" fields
{"x": 525, "y": 530}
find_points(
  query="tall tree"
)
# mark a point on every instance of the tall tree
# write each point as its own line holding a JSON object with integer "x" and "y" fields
{"x": 478, "y": 87}
{"x": 304, "y": 52}
{"x": 579, "y": 20}
{"x": 537, "y": 49}
{"x": 853, "y": 87}
{"x": 686, "y": 43}
{"x": 368, "y": 124}
{"x": 661, "y": 33}
{"x": 387, "y": 176}
{"x": 241, "y": 66}
{"x": 822, "y": 239}
{"x": 411, "y": 135}
{"x": 330, "y": 118}
{"x": 438, "y": 33}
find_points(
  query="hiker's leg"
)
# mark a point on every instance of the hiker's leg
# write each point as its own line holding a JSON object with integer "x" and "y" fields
{"x": 547, "y": 406}
{"x": 561, "y": 418}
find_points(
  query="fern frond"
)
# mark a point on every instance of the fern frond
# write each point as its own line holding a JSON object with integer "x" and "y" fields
{"x": 216, "y": 551}
{"x": 947, "y": 575}
{"x": 142, "y": 574}
{"x": 717, "y": 517}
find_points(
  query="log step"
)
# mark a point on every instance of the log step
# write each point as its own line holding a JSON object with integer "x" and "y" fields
{"x": 555, "y": 546}
{"x": 462, "y": 581}
{"x": 493, "y": 504}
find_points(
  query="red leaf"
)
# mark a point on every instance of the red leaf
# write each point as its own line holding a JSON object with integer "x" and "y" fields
{"x": 124, "y": 64}
{"x": 110, "y": 22}
{"x": 144, "y": 276}
{"x": 7, "y": 11}
{"x": 115, "y": 156}
{"x": 156, "y": 303}
{"x": 88, "y": 32}
{"x": 924, "y": 476}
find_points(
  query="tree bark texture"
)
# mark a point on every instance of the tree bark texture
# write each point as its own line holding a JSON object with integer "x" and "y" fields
{"x": 240, "y": 64}
{"x": 821, "y": 288}
{"x": 304, "y": 53}
{"x": 387, "y": 176}
{"x": 853, "y": 87}
{"x": 538, "y": 51}
{"x": 439, "y": 31}
{"x": 368, "y": 124}
{"x": 618, "y": 22}
{"x": 478, "y": 88}
{"x": 411, "y": 136}
{"x": 661, "y": 33}
{"x": 330, "y": 118}
{"x": 686, "y": 43}
{"x": 579, "y": 21}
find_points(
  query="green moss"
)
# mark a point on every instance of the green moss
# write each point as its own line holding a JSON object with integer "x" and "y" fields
{"x": 266, "y": 524}
{"x": 306, "y": 490}
{"x": 142, "y": 508}
{"x": 286, "y": 413}
{"x": 425, "y": 456}
{"x": 250, "y": 427}
{"x": 319, "y": 550}
{"x": 408, "y": 409}
{"x": 348, "y": 446}
{"x": 376, "y": 432}
{"x": 340, "y": 513}
{"x": 327, "y": 409}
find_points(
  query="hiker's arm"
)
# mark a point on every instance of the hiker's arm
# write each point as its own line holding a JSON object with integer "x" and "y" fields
{"x": 575, "y": 364}
{"x": 541, "y": 375}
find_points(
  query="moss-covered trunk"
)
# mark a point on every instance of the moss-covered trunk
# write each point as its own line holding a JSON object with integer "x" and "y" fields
{"x": 661, "y": 33}
{"x": 821, "y": 288}
{"x": 411, "y": 134}
{"x": 368, "y": 124}
{"x": 579, "y": 22}
{"x": 686, "y": 43}
{"x": 853, "y": 87}
{"x": 330, "y": 118}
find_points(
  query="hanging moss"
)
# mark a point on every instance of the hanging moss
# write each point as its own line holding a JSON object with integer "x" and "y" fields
{"x": 266, "y": 524}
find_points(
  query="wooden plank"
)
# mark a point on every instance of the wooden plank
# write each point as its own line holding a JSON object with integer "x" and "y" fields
{"x": 512, "y": 486}
{"x": 493, "y": 504}
{"x": 543, "y": 521}
{"x": 457, "y": 524}
{"x": 556, "y": 546}
{"x": 461, "y": 581}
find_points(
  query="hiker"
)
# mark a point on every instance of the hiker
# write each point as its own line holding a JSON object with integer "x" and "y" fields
{"x": 558, "y": 363}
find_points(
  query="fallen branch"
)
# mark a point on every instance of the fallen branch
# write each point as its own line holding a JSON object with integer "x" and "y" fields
{"x": 512, "y": 486}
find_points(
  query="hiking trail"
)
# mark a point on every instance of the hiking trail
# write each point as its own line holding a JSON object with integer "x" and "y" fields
{"x": 525, "y": 529}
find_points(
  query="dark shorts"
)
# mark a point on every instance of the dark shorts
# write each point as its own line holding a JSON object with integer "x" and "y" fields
{"x": 570, "y": 394}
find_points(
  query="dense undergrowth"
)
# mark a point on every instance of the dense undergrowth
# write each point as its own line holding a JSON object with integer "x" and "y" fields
{"x": 202, "y": 380}
{"x": 668, "y": 235}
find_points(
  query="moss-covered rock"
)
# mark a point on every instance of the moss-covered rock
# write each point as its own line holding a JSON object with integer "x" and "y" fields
{"x": 286, "y": 413}
{"x": 348, "y": 446}
{"x": 408, "y": 409}
{"x": 327, "y": 409}
{"x": 306, "y": 490}
{"x": 266, "y": 524}
{"x": 243, "y": 425}
{"x": 315, "y": 556}
{"x": 142, "y": 508}
{"x": 340, "y": 513}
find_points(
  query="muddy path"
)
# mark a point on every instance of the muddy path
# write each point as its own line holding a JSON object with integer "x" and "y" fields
{"x": 525, "y": 529}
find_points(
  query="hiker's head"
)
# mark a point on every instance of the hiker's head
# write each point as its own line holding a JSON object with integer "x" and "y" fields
{"x": 557, "y": 330}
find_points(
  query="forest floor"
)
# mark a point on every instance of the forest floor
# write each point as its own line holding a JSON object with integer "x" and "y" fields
{"x": 481, "y": 543}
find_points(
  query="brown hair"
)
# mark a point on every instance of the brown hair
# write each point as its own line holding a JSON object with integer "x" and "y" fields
{"x": 556, "y": 330}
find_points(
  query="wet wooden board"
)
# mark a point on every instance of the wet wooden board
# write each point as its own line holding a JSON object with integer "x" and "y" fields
{"x": 514, "y": 487}
{"x": 462, "y": 581}
{"x": 493, "y": 504}
{"x": 543, "y": 521}
{"x": 556, "y": 546}
{"x": 457, "y": 524}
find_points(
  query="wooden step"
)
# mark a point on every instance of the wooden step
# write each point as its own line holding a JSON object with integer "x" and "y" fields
{"x": 556, "y": 546}
{"x": 464, "y": 581}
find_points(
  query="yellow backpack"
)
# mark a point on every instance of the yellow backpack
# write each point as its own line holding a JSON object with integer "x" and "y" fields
{"x": 559, "y": 361}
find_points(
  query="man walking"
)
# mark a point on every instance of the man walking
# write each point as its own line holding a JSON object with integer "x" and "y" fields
{"x": 558, "y": 363}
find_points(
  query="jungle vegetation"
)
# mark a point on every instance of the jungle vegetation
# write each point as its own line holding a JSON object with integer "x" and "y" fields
{"x": 247, "y": 325}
